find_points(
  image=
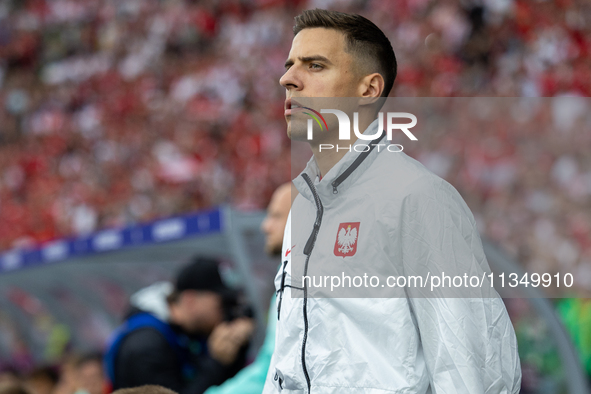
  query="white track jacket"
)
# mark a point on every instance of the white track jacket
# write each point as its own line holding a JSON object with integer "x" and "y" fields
{"x": 385, "y": 214}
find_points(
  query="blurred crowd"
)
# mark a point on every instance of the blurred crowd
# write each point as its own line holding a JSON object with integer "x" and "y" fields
{"x": 523, "y": 167}
{"x": 76, "y": 374}
{"x": 115, "y": 112}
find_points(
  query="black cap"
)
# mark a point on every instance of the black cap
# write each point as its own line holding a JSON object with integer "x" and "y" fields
{"x": 201, "y": 274}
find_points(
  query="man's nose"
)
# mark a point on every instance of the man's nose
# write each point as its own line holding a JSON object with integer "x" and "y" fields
{"x": 290, "y": 80}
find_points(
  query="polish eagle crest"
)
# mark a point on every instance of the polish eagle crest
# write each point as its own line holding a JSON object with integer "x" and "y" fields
{"x": 346, "y": 243}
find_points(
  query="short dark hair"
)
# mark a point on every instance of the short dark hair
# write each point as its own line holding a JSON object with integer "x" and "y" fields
{"x": 44, "y": 372}
{"x": 364, "y": 39}
{"x": 147, "y": 389}
{"x": 90, "y": 357}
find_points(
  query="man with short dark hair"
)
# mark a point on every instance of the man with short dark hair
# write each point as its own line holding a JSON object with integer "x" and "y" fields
{"x": 369, "y": 49}
{"x": 383, "y": 213}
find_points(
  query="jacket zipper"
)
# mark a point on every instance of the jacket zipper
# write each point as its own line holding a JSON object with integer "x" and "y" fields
{"x": 312, "y": 239}
{"x": 358, "y": 160}
{"x": 282, "y": 289}
{"x": 308, "y": 251}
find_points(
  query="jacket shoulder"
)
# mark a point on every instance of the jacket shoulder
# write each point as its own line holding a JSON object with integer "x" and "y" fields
{"x": 407, "y": 176}
{"x": 407, "y": 184}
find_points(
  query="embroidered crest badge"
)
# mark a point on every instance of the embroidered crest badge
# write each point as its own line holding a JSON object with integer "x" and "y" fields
{"x": 346, "y": 243}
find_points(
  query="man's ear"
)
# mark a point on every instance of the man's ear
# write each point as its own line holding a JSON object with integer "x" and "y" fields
{"x": 371, "y": 88}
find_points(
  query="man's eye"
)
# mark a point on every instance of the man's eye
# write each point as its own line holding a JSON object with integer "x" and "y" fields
{"x": 316, "y": 66}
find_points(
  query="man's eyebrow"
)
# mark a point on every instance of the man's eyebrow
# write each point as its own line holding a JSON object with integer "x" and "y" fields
{"x": 307, "y": 59}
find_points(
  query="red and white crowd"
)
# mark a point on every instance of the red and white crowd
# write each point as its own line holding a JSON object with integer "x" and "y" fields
{"x": 119, "y": 112}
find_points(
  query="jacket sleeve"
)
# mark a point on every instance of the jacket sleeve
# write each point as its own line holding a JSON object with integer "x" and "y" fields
{"x": 252, "y": 378}
{"x": 468, "y": 341}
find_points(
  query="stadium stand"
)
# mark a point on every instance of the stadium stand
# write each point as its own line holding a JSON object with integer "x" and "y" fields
{"x": 114, "y": 113}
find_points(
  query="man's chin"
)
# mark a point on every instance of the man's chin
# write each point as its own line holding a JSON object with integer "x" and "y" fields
{"x": 273, "y": 250}
{"x": 298, "y": 133}
{"x": 288, "y": 121}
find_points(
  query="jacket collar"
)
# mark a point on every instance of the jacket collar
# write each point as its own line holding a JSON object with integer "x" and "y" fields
{"x": 345, "y": 172}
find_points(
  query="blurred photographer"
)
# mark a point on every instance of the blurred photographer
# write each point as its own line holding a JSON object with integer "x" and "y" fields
{"x": 185, "y": 337}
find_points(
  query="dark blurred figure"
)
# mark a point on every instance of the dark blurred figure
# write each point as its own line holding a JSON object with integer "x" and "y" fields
{"x": 185, "y": 337}
{"x": 41, "y": 380}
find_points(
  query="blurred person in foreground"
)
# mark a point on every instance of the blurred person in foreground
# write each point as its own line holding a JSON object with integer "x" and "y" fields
{"x": 185, "y": 337}
{"x": 81, "y": 374}
{"x": 68, "y": 380}
{"x": 251, "y": 379}
{"x": 147, "y": 389}
{"x": 406, "y": 221}
{"x": 90, "y": 376}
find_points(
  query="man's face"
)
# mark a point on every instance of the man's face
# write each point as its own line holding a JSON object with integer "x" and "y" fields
{"x": 274, "y": 223}
{"x": 318, "y": 66}
{"x": 199, "y": 311}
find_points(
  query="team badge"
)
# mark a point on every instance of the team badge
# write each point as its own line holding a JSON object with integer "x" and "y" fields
{"x": 346, "y": 243}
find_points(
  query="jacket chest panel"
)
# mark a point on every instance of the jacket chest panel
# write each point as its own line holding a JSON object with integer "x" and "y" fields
{"x": 353, "y": 253}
